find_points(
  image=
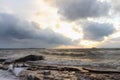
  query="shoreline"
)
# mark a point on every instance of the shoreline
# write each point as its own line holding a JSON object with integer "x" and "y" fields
{"x": 62, "y": 64}
{"x": 36, "y": 71}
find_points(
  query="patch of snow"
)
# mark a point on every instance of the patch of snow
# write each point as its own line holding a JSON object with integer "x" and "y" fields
{"x": 17, "y": 71}
{"x": 5, "y": 75}
{"x": 10, "y": 67}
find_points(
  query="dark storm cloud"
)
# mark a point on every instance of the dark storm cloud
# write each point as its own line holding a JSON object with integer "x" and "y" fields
{"x": 97, "y": 31}
{"x": 76, "y": 9}
{"x": 20, "y": 33}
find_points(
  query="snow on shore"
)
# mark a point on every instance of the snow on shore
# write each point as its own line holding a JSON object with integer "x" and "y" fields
{"x": 5, "y": 75}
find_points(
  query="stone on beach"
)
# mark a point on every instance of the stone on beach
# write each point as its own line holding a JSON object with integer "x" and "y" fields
{"x": 25, "y": 59}
{"x": 30, "y": 58}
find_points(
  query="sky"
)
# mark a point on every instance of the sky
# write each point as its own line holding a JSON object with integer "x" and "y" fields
{"x": 59, "y": 23}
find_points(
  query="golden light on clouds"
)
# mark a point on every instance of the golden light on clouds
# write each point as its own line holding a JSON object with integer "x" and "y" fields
{"x": 89, "y": 44}
{"x": 66, "y": 29}
{"x": 48, "y": 17}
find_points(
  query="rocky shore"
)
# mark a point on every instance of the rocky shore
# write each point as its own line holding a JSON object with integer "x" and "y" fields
{"x": 25, "y": 68}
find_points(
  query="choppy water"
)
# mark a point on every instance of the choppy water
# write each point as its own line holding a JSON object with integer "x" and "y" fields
{"x": 91, "y": 58}
{"x": 106, "y": 58}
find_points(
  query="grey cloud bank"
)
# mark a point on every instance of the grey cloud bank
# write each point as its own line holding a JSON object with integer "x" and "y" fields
{"x": 97, "y": 31}
{"x": 77, "y": 9}
{"x": 74, "y": 10}
{"x": 15, "y": 32}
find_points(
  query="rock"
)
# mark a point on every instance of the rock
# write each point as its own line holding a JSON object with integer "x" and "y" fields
{"x": 30, "y": 58}
{"x": 22, "y": 65}
{"x": 2, "y": 67}
{"x": 48, "y": 78}
{"x": 2, "y": 60}
{"x": 24, "y": 59}
{"x": 101, "y": 71}
{"x": 8, "y": 61}
{"x": 70, "y": 69}
{"x": 47, "y": 72}
{"x": 31, "y": 77}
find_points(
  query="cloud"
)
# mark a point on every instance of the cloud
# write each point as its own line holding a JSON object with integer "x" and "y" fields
{"x": 24, "y": 8}
{"x": 97, "y": 31}
{"x": 115, "y": 6}
{"x": 15, "y": 32}
{"x": 111, "y": 43}
{"x": 77, "y": 9}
